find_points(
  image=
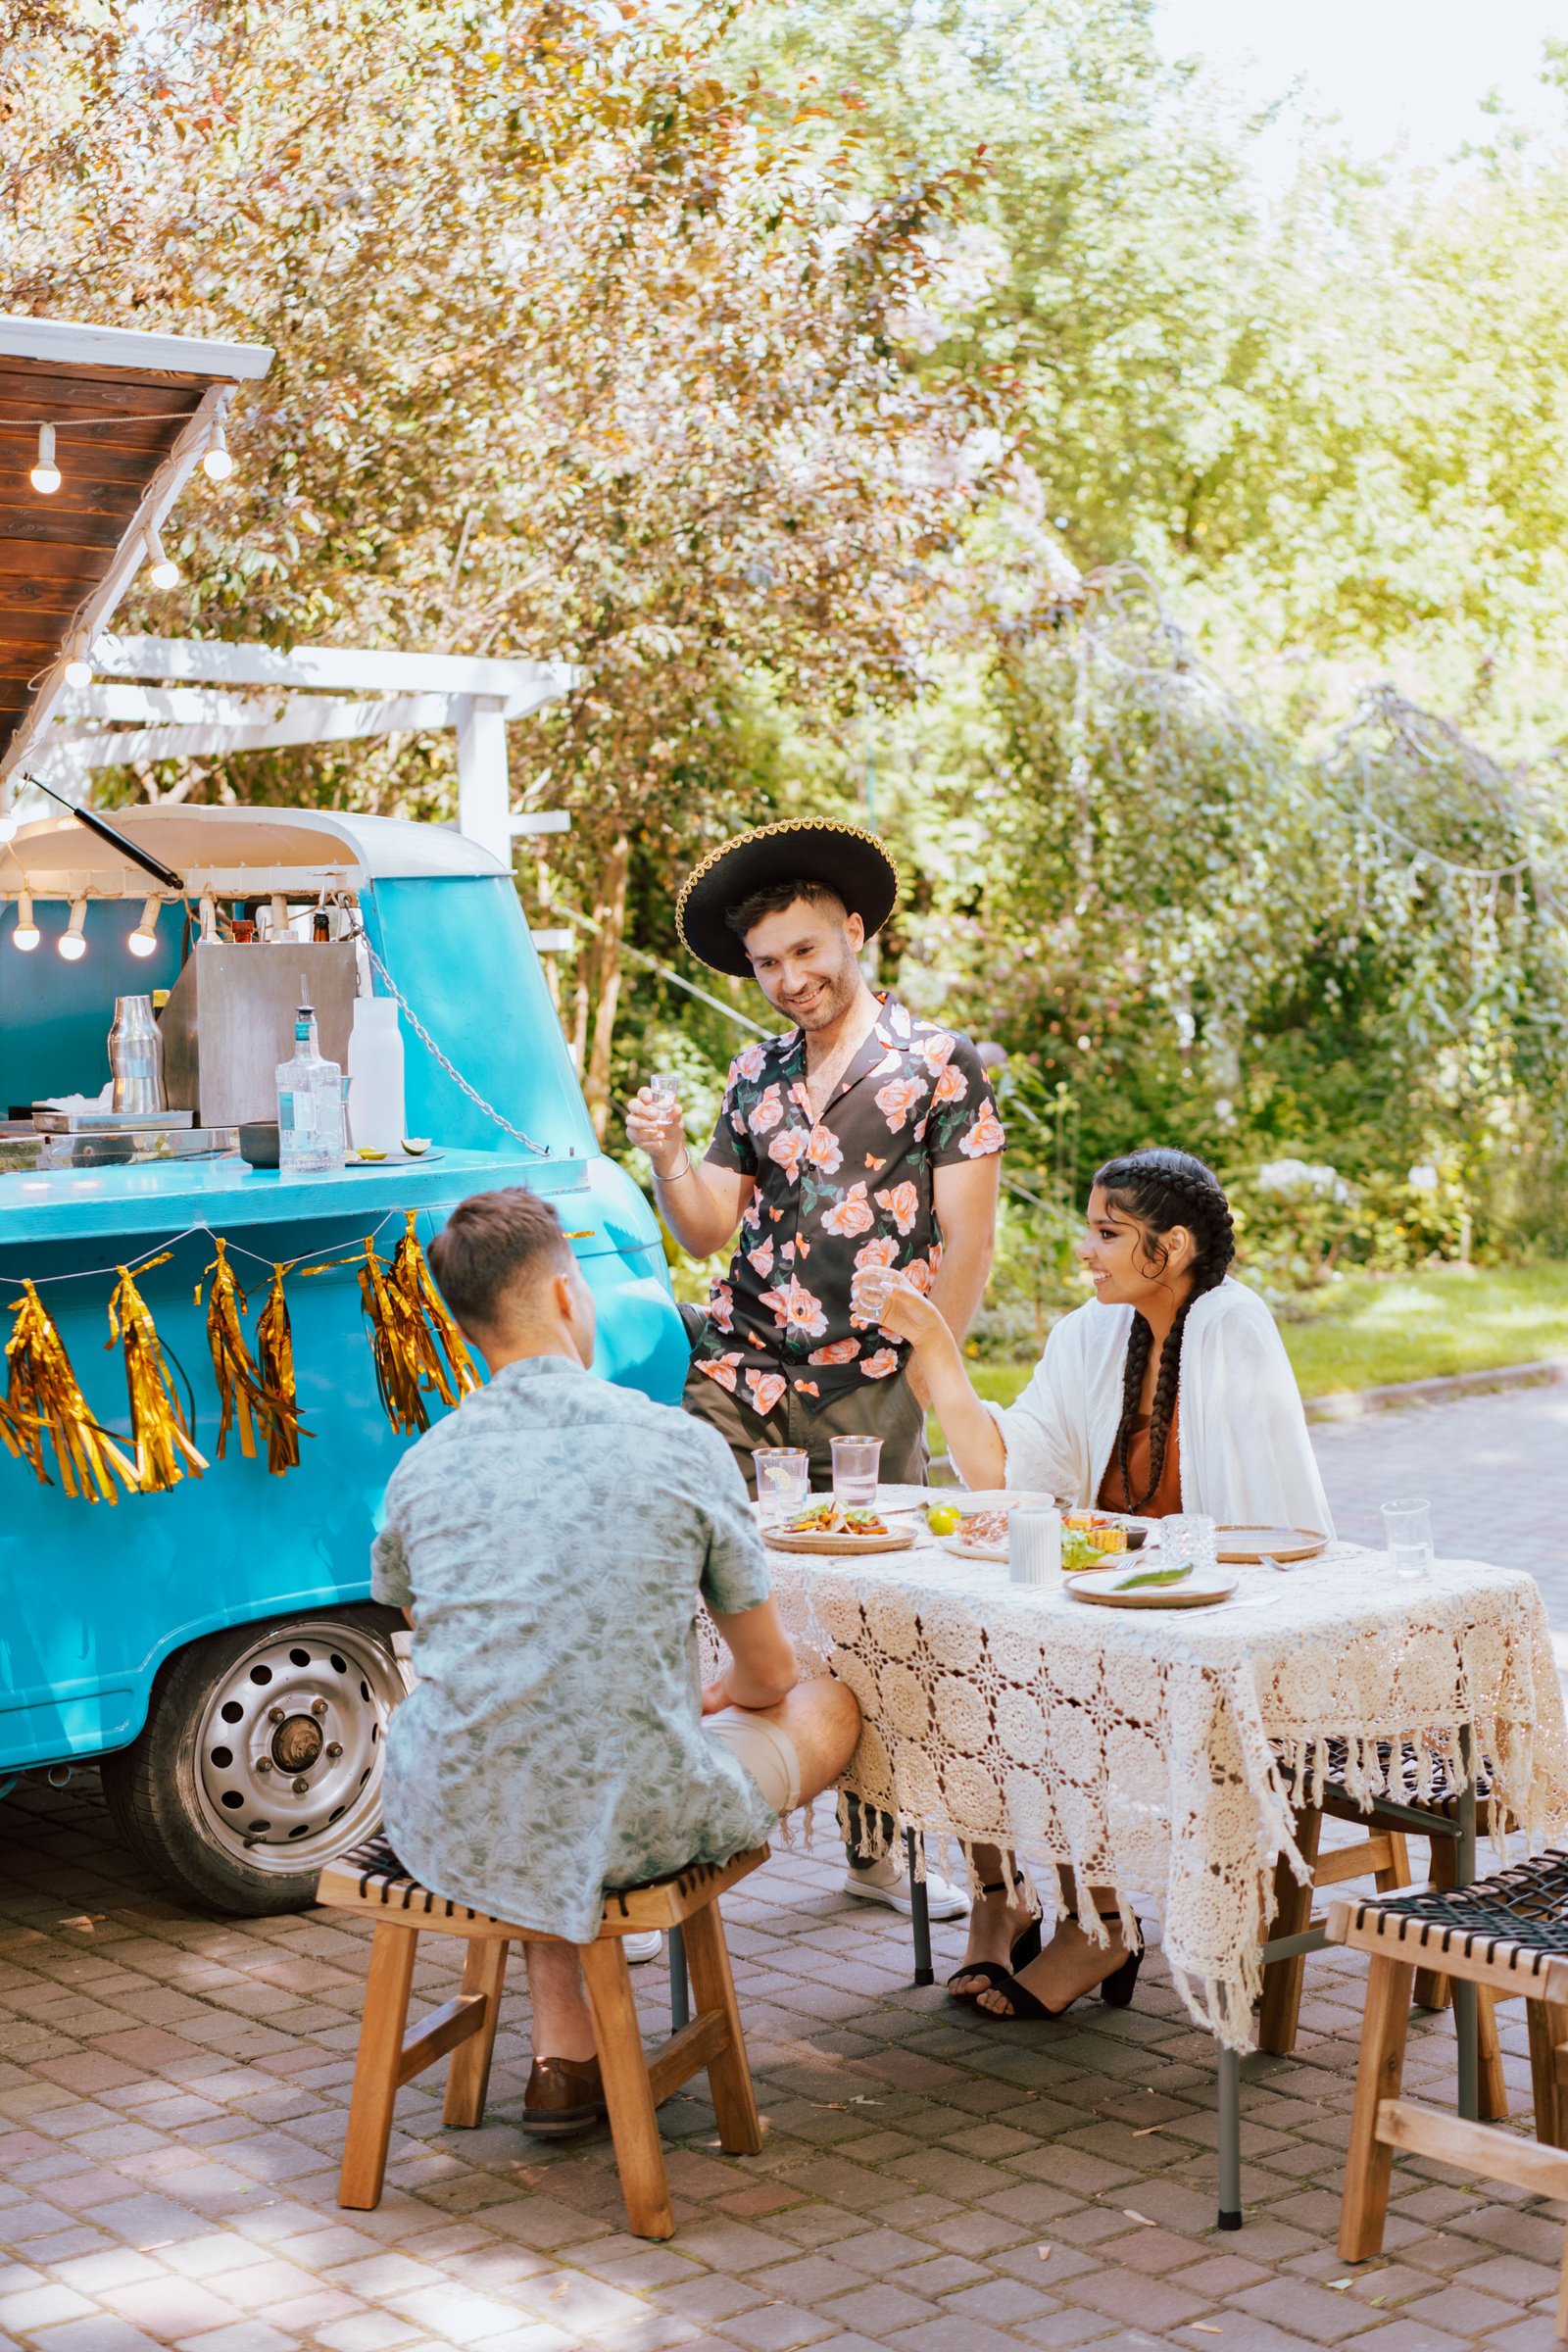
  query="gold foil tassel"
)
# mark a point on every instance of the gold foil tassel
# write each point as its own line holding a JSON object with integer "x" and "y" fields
{"x": 43, "y": 1398}
{"x": 455, "y": 1377}
{"x": 275, "y": 1347}
{"x": 164, "y": 1453}
{"x": 395, "y": 1344}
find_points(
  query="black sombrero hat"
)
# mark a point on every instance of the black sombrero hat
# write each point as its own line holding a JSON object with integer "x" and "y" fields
{"x": 847, "y": 860}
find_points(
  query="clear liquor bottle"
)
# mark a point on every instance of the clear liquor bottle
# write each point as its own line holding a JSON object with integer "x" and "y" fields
{"x": 310, "y": 1104}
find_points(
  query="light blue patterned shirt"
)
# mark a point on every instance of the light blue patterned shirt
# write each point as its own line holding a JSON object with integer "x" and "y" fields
{"x": 552, "y": 1537}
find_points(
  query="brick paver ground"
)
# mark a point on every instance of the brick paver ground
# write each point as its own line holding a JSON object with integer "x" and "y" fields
{"x": 173, "y": 2093}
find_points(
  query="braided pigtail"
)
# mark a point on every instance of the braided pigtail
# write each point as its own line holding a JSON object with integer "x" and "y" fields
{"x": 1164, "y": 1189}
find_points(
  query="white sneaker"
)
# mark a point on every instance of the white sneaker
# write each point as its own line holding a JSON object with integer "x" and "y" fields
{"x": 639, "y": 1948}
{"x": 888, "y": 1881}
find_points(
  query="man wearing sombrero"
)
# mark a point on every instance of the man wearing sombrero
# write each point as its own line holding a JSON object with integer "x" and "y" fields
{"x": 859, "y": 1136}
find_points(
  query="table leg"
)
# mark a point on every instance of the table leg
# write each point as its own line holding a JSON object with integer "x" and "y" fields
{"x": 1230, "y": 2138}
{"x": 920, "y": 1913}
{"x": 680, "y": 1995}
{"x": 1466, "y": 1997}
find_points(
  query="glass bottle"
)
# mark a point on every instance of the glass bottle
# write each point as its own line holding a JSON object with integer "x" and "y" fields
{"x": 310, "y": 1104}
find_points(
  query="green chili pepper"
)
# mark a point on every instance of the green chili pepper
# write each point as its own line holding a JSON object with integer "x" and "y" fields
{"x": 1155, "y": 1576}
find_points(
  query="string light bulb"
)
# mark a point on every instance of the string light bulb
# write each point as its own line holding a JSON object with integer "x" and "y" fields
{"x": 79, "y": 669}
{"x": 72, "y": 944}
{"x": 26, "y": 934}
{"x": 217, "y": 462}
{"x": 46, "y": 474}
{"x": 164, "y": 571}
{"x": 144, "y": 939}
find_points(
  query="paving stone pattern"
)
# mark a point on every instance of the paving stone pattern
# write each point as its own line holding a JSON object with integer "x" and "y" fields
{"x": 173, "y": 2092}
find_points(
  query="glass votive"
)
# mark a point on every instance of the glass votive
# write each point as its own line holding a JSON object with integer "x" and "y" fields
{"x": 783, "y": 1482}
{"x": 1186, "y": 1537}
{"x": 1034, "y": 1544}
{"x": 856, "y": 1461}
{"x": 1409, "y": 1531}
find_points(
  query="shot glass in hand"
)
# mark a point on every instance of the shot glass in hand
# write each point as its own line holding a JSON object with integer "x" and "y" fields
{"x": 1409, "y": 1530}
{"x": 871, "y": 1292}
{"x": 856, "y": 1461}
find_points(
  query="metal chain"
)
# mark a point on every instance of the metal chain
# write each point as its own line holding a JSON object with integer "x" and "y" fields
{"x": 433, "y": 1050}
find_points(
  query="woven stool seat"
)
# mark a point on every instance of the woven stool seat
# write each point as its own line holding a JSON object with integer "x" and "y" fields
{"x": 373, "y": 1880}
{"x": 1514, "y": 1923}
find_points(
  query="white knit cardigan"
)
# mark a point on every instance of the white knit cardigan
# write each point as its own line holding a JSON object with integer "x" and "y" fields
{"x": 1245, "y": 1457}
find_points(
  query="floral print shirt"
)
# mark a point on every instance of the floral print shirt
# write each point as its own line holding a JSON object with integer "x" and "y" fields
{"x": 552, "y": 1536}
{"x": 849, "y": 1190}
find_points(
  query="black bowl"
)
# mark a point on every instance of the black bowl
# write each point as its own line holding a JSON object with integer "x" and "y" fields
{"x": 257, "y": 1143}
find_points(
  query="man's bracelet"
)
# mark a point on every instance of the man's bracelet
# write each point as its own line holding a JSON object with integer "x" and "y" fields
{"x": 675, "y": 1174}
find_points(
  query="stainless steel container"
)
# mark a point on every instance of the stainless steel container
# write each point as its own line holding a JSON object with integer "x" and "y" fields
{"x": 136, "y": 1057}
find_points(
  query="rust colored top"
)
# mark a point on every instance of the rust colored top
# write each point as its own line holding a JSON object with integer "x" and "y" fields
{"x": 1168, "y": 1496}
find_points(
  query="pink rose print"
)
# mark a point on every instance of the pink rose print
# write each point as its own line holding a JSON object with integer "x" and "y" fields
{"x": 721, "y": 1306}
{"x": 806, "y": 1388}
{"x": 737, "y": 1122}
{"x": 747, "y": 1066}
{"x": 880, "y": 1252}
{"x": 951, "y": 1084}
{"x": 753, "y": 1212}
{"x": 761, "y": 1258}
{"x": 804, "y": 1312}
{"x": 720, "y": 1368}
{"x": 838, "y": 1351}
{"x": 936, "y": 1257}
{"x": 876, "y": 1367}
{"x": 822, "y": 1152}
{"x": 897, "y": 1098}
{"x": 787, "y": 1148}
{"x": 787, "y": 1252}
{"x": 766, "y": 1112}
{"x": 850, "y": 1214}
{"x": 800, "y": 1096}
{"x": 777, "y": 1305}
{"x": 898, "y": 1021}
{"x": 903, "y": 1205}
{"x": 892, "y": 1060}
{"x": 986, "y": 1135}
{"x": 919, "y": 1273}
{"x": 767, "y": 1388}
{"x": 935, "y": 1051}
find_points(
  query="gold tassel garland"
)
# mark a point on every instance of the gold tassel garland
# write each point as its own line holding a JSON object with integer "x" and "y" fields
{"x": 456, "y": 1378}
{"x": 395, "y": 1344}
{"x": 274, "y": 1348}
{"x": 164, "y": 1453}
{"x": 44, "y": 1399}
{"x": 246, "y": 1394}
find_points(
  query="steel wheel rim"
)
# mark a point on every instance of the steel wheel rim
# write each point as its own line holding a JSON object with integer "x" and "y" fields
{"x": 289, "y": 1698}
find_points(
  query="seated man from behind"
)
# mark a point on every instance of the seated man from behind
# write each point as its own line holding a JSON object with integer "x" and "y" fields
{"x": 550, "y": 1541}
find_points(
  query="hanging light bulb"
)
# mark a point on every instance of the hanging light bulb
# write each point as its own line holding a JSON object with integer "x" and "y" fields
{"x": 72, "y": 947}
{"x": 26, "y": 934}
{"x": 46, "y": 474}
{"x": 79, "y": 669}
{"x": 10, "y": 822}
{"x": 216, "y": 460}
{"x": 144, "y": 939}
{"x": 165, "y": 572}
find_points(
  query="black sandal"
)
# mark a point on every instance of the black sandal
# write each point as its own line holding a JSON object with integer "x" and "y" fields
{"x": 1116, "y": 1991}
{"x": 1026, "y": 1947}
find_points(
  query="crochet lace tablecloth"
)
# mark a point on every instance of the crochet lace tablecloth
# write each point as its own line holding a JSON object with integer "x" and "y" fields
{"x": 1154, "y": 1749}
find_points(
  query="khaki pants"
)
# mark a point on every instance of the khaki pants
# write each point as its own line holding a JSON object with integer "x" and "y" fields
{"x": 888, "y": 1409}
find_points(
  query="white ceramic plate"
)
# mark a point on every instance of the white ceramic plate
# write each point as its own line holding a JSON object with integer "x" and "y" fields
{"x": 1203, "y": 1590}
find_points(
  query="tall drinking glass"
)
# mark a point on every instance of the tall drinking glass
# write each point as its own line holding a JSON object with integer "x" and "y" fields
{"x": 856, "y": 1461}
{"x": 783, "y": 1482}
{"x": 1409, "y": 1530}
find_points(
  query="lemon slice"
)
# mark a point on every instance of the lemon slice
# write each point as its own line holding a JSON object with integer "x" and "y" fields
{"x": 365, "y": 1153}
{"x": 416, "y": 1145}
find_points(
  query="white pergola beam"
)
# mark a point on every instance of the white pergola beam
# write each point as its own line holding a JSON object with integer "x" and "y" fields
{"x": 342, "y": 669}
{"x": 542, "y": 820}
{"x": 305, "y": 719}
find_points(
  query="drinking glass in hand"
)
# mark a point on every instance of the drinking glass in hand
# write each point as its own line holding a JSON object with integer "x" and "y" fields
{"x": 664, "y": 1089}
{"x": 1409, "y": 1530}
{"x": 856, "y": 1461}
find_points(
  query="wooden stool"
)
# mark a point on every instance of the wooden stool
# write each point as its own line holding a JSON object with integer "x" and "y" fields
{"x": 1507, "y": 1936}
{"x": 373, "y": 1880}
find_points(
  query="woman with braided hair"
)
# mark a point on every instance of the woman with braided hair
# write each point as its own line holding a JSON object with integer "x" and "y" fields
{"x": 1169, "y": 1391}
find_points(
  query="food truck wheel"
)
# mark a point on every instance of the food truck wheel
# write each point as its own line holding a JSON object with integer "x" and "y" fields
{"x": 261, "y": 1758}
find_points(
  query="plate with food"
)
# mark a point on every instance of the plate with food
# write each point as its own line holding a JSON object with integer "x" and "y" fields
{"x": 826, "y": 1526}
{"x": 1128, "y": 1583}
{"x": 1250, "y": 1544}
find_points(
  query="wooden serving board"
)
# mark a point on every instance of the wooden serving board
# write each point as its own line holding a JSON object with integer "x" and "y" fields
{"x": 1248, "y": 1546}
{"x": 897, "y": 1539}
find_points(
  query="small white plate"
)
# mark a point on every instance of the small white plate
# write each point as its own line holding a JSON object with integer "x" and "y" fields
{"x": 1204, "y": 1589}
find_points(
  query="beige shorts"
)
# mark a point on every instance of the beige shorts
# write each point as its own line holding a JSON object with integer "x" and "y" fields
{"x": 767, "y": 1753}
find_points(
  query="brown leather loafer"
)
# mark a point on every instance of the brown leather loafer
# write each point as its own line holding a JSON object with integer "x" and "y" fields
{"x": 564, "y": 2095}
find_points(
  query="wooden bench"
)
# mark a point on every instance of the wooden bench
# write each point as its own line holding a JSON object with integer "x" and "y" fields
{"x": 1507, "y": 1936}
{"x": 373, "y": 1882}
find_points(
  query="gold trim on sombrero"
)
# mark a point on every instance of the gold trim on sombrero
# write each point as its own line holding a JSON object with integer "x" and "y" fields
{"x": 791, "y": 824}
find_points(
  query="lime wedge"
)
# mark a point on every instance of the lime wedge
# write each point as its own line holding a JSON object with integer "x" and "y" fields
{"x": 416, "y": 1145}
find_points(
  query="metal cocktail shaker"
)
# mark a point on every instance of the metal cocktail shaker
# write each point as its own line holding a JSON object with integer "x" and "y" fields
{"x": 136, "y": 1057}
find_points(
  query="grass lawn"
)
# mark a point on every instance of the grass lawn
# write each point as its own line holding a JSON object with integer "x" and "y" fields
{"x": 1371, "y": 1329}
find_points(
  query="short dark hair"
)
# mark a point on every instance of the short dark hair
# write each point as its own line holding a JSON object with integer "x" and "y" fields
{"x": 773, "y": 898}
{"x": 494, "y": 1242}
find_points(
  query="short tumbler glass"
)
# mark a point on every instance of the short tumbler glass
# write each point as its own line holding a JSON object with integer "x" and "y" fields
{"x": 856, "y": 1461}
{"x": 783, "y": 1482}
{"x": 1187, "y": 1536}
{"x": 1410, "y": 1531}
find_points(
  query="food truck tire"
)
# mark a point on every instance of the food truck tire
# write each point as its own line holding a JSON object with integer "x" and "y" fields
{"x": 236, "y": 1715}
